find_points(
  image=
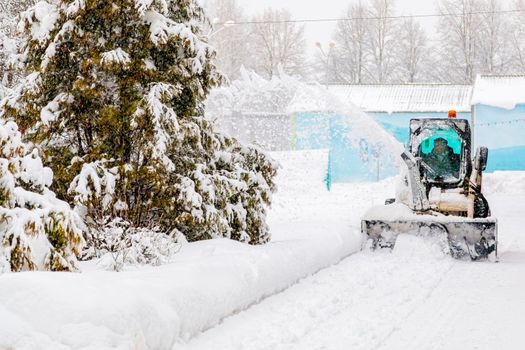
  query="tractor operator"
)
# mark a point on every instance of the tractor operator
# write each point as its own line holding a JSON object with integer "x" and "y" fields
{"x": 442, "y": 159}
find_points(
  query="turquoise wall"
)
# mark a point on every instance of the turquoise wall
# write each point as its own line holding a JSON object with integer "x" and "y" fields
{"x": 503, "y": 132}
{"x": 398, "y": 124}
{"x": 350, "y": 160}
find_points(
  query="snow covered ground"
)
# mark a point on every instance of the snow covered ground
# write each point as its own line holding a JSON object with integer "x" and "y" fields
{"x": 412, "y": 298}
{"x": 152, "y": 308}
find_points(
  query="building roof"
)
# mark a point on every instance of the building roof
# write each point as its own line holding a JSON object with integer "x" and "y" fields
{"x": 504, "y": 91}
{"x": 406, "y": 97}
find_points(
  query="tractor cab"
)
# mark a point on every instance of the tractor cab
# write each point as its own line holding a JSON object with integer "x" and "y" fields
{"x": 443, "y": 147}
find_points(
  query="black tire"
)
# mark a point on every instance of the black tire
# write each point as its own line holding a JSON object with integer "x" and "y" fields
{"x": 481, "y": 207}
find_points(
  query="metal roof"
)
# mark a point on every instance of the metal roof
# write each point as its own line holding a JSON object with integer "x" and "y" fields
{"x": 406, "y": 97}
{"x": 504, "y": 91}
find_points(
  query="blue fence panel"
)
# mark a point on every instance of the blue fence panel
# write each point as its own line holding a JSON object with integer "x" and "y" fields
{"x": 398, "y": 124}
{"x": 503, "y": 132}
{"x": 312, "y": 131}
{"x": 349, "y": 160}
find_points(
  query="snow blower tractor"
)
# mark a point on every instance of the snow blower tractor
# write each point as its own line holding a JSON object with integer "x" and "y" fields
{"x": 439, "y": 193}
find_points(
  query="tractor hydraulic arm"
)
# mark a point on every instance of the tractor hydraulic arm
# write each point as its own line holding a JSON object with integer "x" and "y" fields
{"x": 419, "y": 199}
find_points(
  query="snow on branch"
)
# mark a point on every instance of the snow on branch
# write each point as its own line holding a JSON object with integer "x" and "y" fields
{"x": 67, "y": 27}
{"x": 95, "y": 181}
{"x": 38, "y": 231}
{"x": 74, "y": 7}
{"x": 163, "y": 115}
{"x": 41, "y": 20}
{"x": 162, "y": 29}
{"x": 117, "y": 56}
{"x": 30, "y": 84}
{"x": 52, "y": 110}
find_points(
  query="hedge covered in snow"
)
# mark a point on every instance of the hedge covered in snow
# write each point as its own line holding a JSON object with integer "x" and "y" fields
{"x": 113, "y": 98}
{"x": 37, "y": 230}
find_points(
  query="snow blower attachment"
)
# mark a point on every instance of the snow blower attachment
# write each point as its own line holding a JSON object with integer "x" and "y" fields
{"x": 440, "y": 193}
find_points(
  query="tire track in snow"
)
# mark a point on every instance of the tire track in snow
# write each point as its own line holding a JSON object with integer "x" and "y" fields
{"x": 478, "y": 305}
{"x": 368, "y": 293}
{"x": 425, "y": 301}
{"x": 392, "y": 301}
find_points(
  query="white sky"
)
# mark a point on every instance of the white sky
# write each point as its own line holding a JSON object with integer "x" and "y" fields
{"x": 321, "y": 32}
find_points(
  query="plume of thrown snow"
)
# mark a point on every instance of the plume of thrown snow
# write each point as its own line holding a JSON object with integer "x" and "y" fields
{"x": 285, "y": 95}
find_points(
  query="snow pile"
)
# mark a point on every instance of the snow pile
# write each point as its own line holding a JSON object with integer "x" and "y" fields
{"x": 119, "y": 246}
{"x": 155, "y": 307}
{"x": 392, "y": 212}
{"x": 433, "y": 246}
{"x": 510, "y": 182}
{"x": 151, "y": 308}
{"x": 499, "y": 91}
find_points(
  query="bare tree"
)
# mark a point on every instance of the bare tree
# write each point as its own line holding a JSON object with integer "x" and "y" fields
{"x": 517, "y": 36}
{"x": 350, "y": 55}
{"x": 382, "y": 40}
{"x": 459, "y": 33}
{"x": 10, "y": 11}
{"x": 278, "y": 44}
{"x": 231, "y": 41}
{"x": 493, "y": 43}
{"x": 412, "y": 51}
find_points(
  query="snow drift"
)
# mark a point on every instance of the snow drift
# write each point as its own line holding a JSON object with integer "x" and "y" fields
{"x": 160, "y": 307}
{"x": 155, "y": 307}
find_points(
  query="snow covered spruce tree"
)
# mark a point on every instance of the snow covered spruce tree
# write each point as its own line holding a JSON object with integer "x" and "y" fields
{"x": 37, "y": 230}
{"x": 114, "y": 99}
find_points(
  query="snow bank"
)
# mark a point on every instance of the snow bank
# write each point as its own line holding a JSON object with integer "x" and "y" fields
{"x": 510, "y": 182}
{"x": 152, "y": 308}
{"x": 155, "y": 307}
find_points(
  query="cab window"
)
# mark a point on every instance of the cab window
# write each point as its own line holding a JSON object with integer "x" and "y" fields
{"x": 441, "y": 155}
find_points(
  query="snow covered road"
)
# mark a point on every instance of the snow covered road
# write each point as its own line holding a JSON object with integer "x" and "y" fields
{"x": 413, "y": 298}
